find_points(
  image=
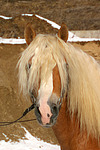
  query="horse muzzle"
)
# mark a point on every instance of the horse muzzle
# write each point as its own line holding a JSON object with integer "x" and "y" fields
{"x": 47, "y": 119}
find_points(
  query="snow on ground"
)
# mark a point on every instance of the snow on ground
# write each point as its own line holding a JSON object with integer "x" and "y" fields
{"x": 22, "y": 41}
{"x": 12, "y": 41}
{"x": 4, "y": 17}
{"x": 28, "y": 143}
{"x": 53, "y": 24}
{"x": 72, "y": 37}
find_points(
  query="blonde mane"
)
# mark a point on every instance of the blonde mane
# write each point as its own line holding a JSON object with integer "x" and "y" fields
{"x": 47, "y": 51}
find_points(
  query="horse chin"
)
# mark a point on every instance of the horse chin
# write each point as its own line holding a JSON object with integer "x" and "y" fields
{"x": 48, "y": 125}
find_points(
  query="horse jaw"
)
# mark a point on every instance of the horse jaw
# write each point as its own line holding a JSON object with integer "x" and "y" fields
{"x": 45, "y": 92}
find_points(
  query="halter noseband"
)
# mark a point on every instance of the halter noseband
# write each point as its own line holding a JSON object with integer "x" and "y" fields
{"x": 33, "y": 99}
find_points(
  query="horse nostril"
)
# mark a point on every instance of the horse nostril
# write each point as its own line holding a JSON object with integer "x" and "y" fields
{"x": 54, "y": 110}
{"x": 48, "y": 115}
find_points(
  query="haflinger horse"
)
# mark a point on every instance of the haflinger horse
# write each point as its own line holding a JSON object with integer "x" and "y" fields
{"x": 64, "y": 83}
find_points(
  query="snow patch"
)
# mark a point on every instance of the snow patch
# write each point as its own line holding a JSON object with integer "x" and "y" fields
{"x": 4, "y": 17}
{"x": 22, "y": 41}
{"x": 30, "y": 15}
{"x": 31, "y": 143}
{"x": 12, "y": 41}
{"x": 53, "y": 24}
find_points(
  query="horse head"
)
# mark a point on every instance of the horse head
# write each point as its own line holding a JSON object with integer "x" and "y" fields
{"x": 39, "y": 73}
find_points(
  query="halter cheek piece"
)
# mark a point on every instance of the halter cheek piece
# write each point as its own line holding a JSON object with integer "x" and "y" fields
{"x": 63, "y": 91}
{"x": 60, "y": 100}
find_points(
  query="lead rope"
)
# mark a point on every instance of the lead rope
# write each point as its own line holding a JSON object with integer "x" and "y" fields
{"x": 17, "y": 120}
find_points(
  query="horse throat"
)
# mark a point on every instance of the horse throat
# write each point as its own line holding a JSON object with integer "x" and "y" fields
{"x": 61, "y": 127}
{"x": 67, "y": 131}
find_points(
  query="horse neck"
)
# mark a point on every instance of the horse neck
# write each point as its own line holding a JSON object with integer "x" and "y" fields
{"x": 68, "y": 132}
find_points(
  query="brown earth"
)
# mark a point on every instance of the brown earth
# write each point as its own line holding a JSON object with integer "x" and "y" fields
{"x": 12, "y": 104}
{"x": 77, "y": 14}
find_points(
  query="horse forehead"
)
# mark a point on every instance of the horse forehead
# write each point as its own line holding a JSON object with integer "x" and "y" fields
{"x": 46, "y": 87}
{"x": 52, "y": 84}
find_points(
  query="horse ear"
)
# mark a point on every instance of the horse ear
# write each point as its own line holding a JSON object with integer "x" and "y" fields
{"x": 63, "y": 32}
{"x": 29, "y": 33}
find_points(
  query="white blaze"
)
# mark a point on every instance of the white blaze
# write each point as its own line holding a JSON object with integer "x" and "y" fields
{"x": 45, "y": 92}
